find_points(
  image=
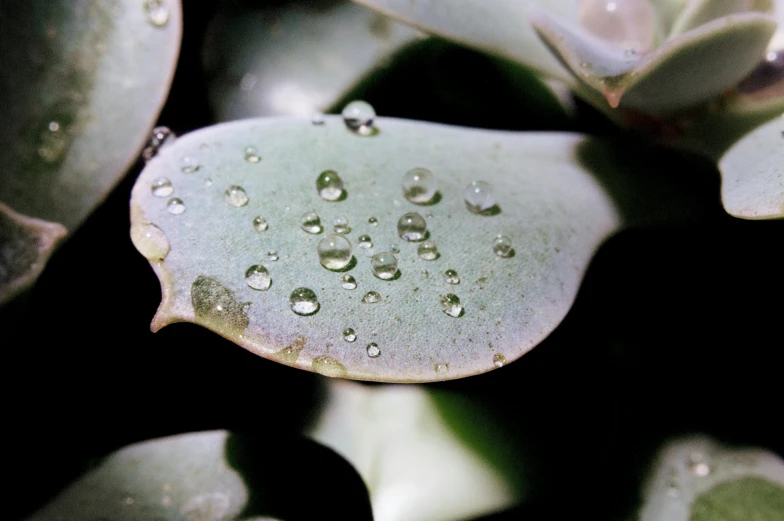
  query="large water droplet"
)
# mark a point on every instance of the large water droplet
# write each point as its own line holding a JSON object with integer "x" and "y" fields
{"x": 384, "y": 265}
{"x": 260, "y": 224}
{"x": 364, "y": 241}
{"x": 499, "y": 360}
{"x": 215, "y": 306}
{"x": 372, "y": 350}
{"x": 358, "y": 117}
{"x": 252, "y": 155}
{"x": 304, "y": 301}
{"x": 189, "y": 165}
{"x": 451, "y": 277}
{"x": 258, "y": 277}
{"x": 419, "y": 185}
{"x": 625, "y": 24}
{"x": 450, "y": 304}
{"x": 272, "y": 255}
{"x": 162, "y": 187}
{"x": 427, "y": 251}
{"x": 348, "y": 282}
{"x": 371, "y": 297}
{"x": 175, "y": 206}
{"x": 311, "y": 222}
{"x": 157, "y": 12}
{"x": 373, "y": 221}
{"x": 412, "y": 227}
{"x": 340, "y": 225}
{"x": 328, "y": 366}
{"x": 334, "y": 252}
{"x": 160, "y": 137}
{"x": 479, "y": 196}
{"x": 150, "y": 241}
{"x": 235, "y": 196}
{"x": 349, "y": 335}
{"x": 502, "y": 246}
{"x": 329, "y": 185}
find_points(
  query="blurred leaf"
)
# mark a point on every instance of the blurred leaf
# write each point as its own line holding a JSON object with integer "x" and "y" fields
{"x": 696, "y": 13}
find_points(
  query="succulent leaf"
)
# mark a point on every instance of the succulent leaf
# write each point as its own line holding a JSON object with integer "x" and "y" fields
{"x": 698, "y": 12}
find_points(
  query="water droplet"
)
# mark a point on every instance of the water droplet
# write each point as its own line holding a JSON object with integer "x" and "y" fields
{"x": 427, "y": 250}
{"x": 479, "y": 196}
{"x": 328, "y": 366}
{"x": 419, "y": 185}
{"x": 392, "y": 248}
{"x": 499, "y": 360}
{"x": 341, "y": 226}
{"x": 272, "y": 255}
{"x": 150, "y": 241}
{"x": 349, "y": 335}
{"x": 371, "y": 297}
{"x": 329, "y": 185}
{"x": 502, "y": 246}
{"x": 373, "y": 221}
{"x": 208, "y": 181}
{"x": 304, "y": 301}
{"x": 157, "y": 12}
{"x": 698, "y": 466}
{"x": 364, "y": 241}
{"x": 372, "y": 350}
{"x": 162, "y": 187}
{"x": 348, "y": 282}
{"x": 175, "y": 206}
{"x": 334, "y": 252}
{"x": 53, "y": 142}
{"x": 235, "y": 196}
{"x": 258, "y": 277}
{"x": 369, "y": 252}
{"x": 358, "y": 117}
{"x": 412, "y": 227}
{"x": 441, "y": 368}
{"x": 215, "y": 306}
{"x": 252, "y": 155}
{"x": 189, "y": 165}
{"x": 450, "y": 304}
{"x": 451, "y": 277}
{"x": 260, "y": 224}
{"x": 317, "y": 118}
{"x": 311, "y": 222}
{"x": 625, "y": 24}
{"x": 160, "y": 137}
{"x": 384, "y": 265}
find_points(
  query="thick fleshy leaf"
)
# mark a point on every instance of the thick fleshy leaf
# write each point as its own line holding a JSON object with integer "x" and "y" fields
{"x": 295, "y": 59}
{"x": 696, "y": 13}
{"x": 415, "y": 466}
{"x": 66, "y": 140}
{"x": 25, "y": 246}
{"x": 753, "y": 173}
{"x": 699, "y": 480}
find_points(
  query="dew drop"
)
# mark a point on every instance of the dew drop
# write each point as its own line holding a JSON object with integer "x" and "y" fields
{"x": 260, "y": 224}
{"x": 304, "y": 301}
{"x": 373, "y": 221}
{"x": 258, "y": 277}
{"x": 451, "y": 277}
{"x": 412, "y": 227}
{"x": 384, "y": 265}
{"x": 215, "y": 305}
{"x": 358, "y": 117}
{"x": 208, "y": 181}
{"x": 371, "y": 297}
{"x": 272, "y": 255}
{"x": 53, "y": 142}
{"x": 235, "y": 196}
{"x": 175, "y": 206}
{"x": 334, "y": 252}
{"x": 329, "y": 185}
{"x": 625, "y": 24}
{"x": 698, "y": 466}
{"x": 311, "y": 222}
{"x": 159, "y": 138}
{"x": 479, "y": 196}
{"x": 419, "y": 185}
{"x": 369, "y": 252}
{"x": 502, "y": 246}
{"x": 162, "y": 187}
{"x": 252, "y": 155}
{"x": 364, "y": 241}
{"x": 372, "y": 350}
{"x": 427, "y": 250}
{"x": 157, "y": 12}
{"x": 349, "y": 335}
{"x": 317, "y": 118}
{"x": 499, "y": 360}
{"x": 328, "y": 366}
{"x": 150, "y": 241}
{"x": 450, "y": 304}
{"x": 348, "y": 282}
{"x": 441, "y": 368}
{"x": 392, "y": 248}
{"x": 189, "y": 165}
{"x": 340, "y": 225}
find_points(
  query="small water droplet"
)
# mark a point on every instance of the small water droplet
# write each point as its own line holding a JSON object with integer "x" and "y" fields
{"x": 371, "y": 297}
{"x": 157, "y": 12}
{"x": 384, "y": 265}
{"x": 208, "y": 181}
{"x": 272, "y": 255}
{"x": 334, "y": 252}
{"x": 369, "y": 252}
{"x": 189, "y": 165}
{"x": 311, "y": 222}
{"x": 419, "y": 185}
{"x": 372, "y": 350}
{"x": 329, "y": 185}
{"x": 349, "y": 335}
{"x": 479, "y": 196}
{"x": 450, "y": 304}
{"x": 364, "y": 241}
{"x": 260, "y": 224}
{"x": 441, "y": 368}
{"x": 393, "y": 249}
{"x": 698, "y": 466}
{"x": 304, "y": 301}
{"x": 502, "y": 246}
{"x": 159, "y": 138}
{"x": 129, "y": 500}
{"x": 235, "y": 196}
{"x": 252, "y": 155}
{"x": 412, "y": 227}
{"x": 451, "y": 277}
{"x": 150, "y": 241}
{"x": 53, "y": 142}
{"x": 373, "y": 221}
{"x": 427, "y": 250}
{"x": 348, "y": 282}
{"x": 175, "y": 206}
{"x": 317, "y": 118}
{"x": 258, "y": 277}
{"x": 358, "y": 117}
{"x": 499, "y": 360}
{"x": 341, "y": 226}
{"x": 216, "y": 306}
{"x": 162, "y": 187}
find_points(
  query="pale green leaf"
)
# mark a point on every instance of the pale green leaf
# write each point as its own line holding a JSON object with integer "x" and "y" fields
{"x": 698, "y": 12}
